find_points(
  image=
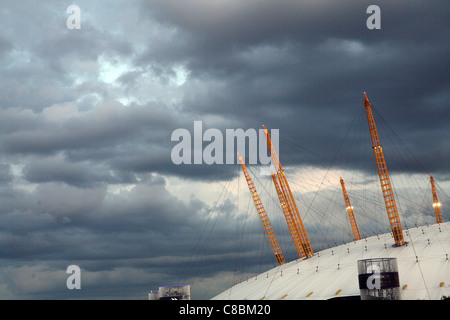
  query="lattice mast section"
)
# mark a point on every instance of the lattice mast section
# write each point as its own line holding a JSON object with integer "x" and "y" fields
{"x": 436, "y": 203}
{"x": 385, "y": 181}
{"x": 267, "y": 226}
{"x": 289, "y": 220}
{"x": 351, "y": 215}
{"x": 289, "y": 200}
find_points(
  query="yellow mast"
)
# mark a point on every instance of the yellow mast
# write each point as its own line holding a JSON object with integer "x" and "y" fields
{"x": 289, "y": 220}
{"x": 263, "y": 216}
{"x": 385, "y": 181}
{"x": 351, "y": 215}
{"x": 289, "y": 201}
{"x": 436, "y": 203}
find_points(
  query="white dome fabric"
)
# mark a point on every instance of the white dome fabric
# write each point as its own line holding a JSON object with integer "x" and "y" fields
{"x": 423, "y": 266}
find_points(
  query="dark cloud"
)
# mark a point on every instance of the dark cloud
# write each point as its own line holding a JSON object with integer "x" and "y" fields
{"x": 5, "y": 173}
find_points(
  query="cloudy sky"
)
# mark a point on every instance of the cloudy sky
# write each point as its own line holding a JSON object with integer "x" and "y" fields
{"x": 86, "y": 117}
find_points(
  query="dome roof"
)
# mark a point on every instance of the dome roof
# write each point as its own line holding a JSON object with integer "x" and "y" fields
{"x": 423, "y": 267}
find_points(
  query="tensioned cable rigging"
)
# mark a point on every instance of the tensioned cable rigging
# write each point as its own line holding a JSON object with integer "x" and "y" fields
{"x": 199, "y": 246}
{"x": 311, "y": 206}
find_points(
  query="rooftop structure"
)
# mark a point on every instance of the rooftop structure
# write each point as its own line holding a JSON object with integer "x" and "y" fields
{"x": 420, "y": 253}
{"x": 423, "y": 267}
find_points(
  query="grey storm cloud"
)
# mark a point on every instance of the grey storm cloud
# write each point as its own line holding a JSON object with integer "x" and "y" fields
{"x": 86, "y": 118}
